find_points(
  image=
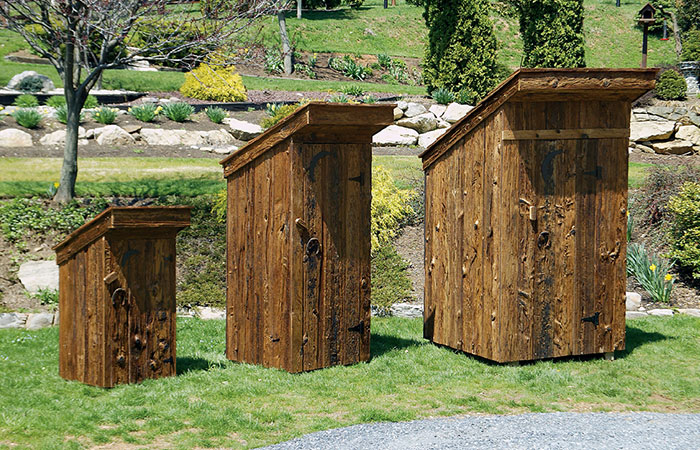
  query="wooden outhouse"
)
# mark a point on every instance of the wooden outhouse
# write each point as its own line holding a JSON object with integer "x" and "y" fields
{"x": 117, "y": 296}
{"x": 525, "y": 217}
{"x": 298, "y": 237}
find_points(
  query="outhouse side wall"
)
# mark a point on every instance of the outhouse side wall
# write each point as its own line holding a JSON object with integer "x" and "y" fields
{"x": 258, "y": 271}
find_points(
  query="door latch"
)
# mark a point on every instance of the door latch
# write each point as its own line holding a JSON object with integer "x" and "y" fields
{"x": 360, "y": 327}
{"x": 313, "y": 247}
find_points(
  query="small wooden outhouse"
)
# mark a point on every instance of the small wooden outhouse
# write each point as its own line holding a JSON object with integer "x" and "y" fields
{"x": 525, "y": 217}
{"x": 298, "y": 237}
{"x": 117, "y": 296}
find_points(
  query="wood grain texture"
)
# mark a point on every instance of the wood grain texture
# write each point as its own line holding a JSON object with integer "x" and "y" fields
{"x": 117, "y": 300}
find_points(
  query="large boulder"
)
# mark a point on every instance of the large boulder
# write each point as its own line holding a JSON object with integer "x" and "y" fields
{"x": 58, "y": 137}
{"x": 156, "y": 136}
{"x": 414, "y": 109}
{"x": 396, "y": 135}
{"x": 217, "y": 137}
{"x": 672, "y": 147}
{"x": 689, "y": 133}
{"x": 422, "y": 123}
{"x": 243, "y": 130}
{"x": 425, "y": 139}
{"x": 39, "y": 320}
{"x": 113, "y": 135}
{"x": 13, "y": 137}
{"x": 657, "y": 130}
{"x": 36, "y": 275}
{"x": 12, "y": 320}
{"x": 17, "y": 79}
{"x": 455, "y": 111}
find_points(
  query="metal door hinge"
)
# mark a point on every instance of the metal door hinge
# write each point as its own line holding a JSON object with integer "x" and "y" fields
{"x": 594, "y": 319}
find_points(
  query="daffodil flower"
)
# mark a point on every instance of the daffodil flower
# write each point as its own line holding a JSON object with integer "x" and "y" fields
{"x": 56, "y": 184}
{"x": 668, "y": 277}
{"x": 652, "y": 267}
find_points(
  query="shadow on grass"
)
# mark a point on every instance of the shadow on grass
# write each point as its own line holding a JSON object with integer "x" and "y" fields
{"x": 637, "y": 338}
{"x": 337, "y": 14}
{"x": 186, "y": 364}
{"x": 381, "y": 344}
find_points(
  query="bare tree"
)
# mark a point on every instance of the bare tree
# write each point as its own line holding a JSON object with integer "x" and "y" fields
{"x": 83, "y": 38}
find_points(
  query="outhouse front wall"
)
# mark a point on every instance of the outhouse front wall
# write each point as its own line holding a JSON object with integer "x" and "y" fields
{"x": 525, "y": 232}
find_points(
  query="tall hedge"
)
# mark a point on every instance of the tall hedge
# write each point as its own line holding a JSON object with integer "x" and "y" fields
{"x": 689, "y": 14}
{"x": 552, "y": 33}
{"x": 461, "y": 51}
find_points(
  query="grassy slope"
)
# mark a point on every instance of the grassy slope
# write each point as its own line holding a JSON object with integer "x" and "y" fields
{"x": 612, "y": 40}
{"x": 214, "y": 402}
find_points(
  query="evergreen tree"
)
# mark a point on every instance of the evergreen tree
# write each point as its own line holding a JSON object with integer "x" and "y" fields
{"x": 552, "y": 32}
{"x": 689, "y": 15}
{"x": 461, "y": 52}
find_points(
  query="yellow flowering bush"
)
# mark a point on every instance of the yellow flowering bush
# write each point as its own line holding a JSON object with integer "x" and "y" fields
{"x": 685, "y": 228}
{"x": 221, "y": 84}
{"x": 390, "y": 206}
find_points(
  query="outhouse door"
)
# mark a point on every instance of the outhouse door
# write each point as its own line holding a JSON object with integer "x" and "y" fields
{"x": 332, "y": 221}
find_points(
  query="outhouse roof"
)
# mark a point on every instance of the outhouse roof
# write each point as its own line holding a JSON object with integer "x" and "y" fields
{"x": 535, "y": 85}
{"x": 321, "y": 122}
{"x": 152, "y": 218}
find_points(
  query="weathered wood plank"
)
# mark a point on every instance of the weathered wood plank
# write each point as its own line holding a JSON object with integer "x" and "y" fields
{"x": 296, "y": 254}
{"x": 559, "y": 134}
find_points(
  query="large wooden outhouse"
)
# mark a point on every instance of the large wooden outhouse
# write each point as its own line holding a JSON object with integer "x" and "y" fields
{"x": 117, "y": 296}
{"x": 525, "y": 221}
{"x": 298, "y": 237}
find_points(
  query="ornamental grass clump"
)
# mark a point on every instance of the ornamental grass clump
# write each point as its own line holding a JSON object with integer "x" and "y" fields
{"x": 56, "y": 101}
{"x": 215, "y": 114}
{"x": 443, "y": 96}
{"x": 145, "y": 113}
{"x": 27, "y": 117}
{"x": 26, "y": 101}
{"x": 651, "y": 271}
{"x": 62, "y": 114}
{"x": 105, "y": 115}
{"x": 178, "y": 112}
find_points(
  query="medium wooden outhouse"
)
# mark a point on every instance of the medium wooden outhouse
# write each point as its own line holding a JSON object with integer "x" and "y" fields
{"x": 298, "y": 237}
{"x": 117, "y": 296}
{"x": 525, "y": 217}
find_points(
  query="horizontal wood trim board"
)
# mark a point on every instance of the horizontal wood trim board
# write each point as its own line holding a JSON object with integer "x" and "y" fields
{"x": 589, "y": 133}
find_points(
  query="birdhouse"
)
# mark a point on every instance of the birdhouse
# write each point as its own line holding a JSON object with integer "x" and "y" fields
{"x": 647, "y": 15}
{"x": 117, "y": 296}
{"x": 298, "y": 239}
{"x": 525, "y": 217}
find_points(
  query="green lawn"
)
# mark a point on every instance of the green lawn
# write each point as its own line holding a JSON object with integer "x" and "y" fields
{"x": 216, "y": 403}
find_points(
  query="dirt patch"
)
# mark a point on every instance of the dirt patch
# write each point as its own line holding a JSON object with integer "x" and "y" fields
{"x": 665, "y": 160}
{"x": 410, "y": 246}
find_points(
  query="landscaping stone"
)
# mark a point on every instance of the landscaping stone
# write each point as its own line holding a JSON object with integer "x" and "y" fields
{"x": 398, "y": 113}
{"x": 114, "y": 135}
{"x": 455, "y": 111}
{"x": 660, "y": 312}
{"x": 635, "y": 315}
{"x": 58, "y": 137}
{"x": 225, "y": 150}
{"x": 55, "y": 318}
{"x": 407, "y": 310}
{"x": 217, "y": 137}
{"x": 422, "y": 123}
{"x": 36, "y": 275}
{"x": 690, "y": 312}
{"x": 414, "y": 109}
{"x": 242, "y": 130}
{"x": 13, "y": 137}
{"x": 644, "y": 148}
{"x": 438, "y": 110}
{"x": 639, "y": 115}
{"x": 17, "y": 79}
{"x": 40, "y": 320}
{"x": 689, "y": 133}
{"x": 131, "y": 128}
{"x": 402, "y": 105}
{"x": 651, "y": 131}
{"x": 12, "y": 320}
{"x": 395, "y": 135}
{"x": 672, "y": 147}
{"x": 443, "y": 123}
{"x": 157, "y": 136}
{"x": 425, "y": 139}
{"x": 633, "y": 301}
{"x": 207, "y": 313}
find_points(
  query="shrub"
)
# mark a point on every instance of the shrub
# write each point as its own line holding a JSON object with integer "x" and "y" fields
{"x": 56, "y": 101}
{"x": 389, "y": 281}
{"x": 178, "y": 112}
{"x": 651, "y": 271}
{"x": 105, "y": 115}
{"x": 31, "y": 84}
{"x": 353, "y": 90}
{"x": 277, "y": 113}
{"x": 465, "y": 97}
{"x": 146, "y": 112}
{"x": 390, "y": 206}
{"x": 443, "y": 96}
{"x": 91, "y": 102}
{"x": 26, "y": 101}
{"x": 691, "y": 46}
{"x": 221, "y": 84}
{"x": 688, "y": 14}
{"x": 685, "y": 228}
{"x": 461, "y": 50}
{"x": 27, "y": 117}
{"x": 671, "y": 86}
{"x": 215, "y": 114}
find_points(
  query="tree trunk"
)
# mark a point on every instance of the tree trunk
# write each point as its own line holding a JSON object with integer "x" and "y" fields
{"x": 298, "y": 9}
{"x": 69, "y": 170}
{"x": 677, "y": 36}
{"x": 286, "y": 48}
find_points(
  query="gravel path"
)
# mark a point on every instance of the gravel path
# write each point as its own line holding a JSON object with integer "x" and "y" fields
{"x": 526, "y": 431}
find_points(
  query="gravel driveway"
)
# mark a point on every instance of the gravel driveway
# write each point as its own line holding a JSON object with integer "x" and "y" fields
{"x": 526, "y": 431}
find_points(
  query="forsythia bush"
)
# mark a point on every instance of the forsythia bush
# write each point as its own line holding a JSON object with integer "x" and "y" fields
{"x": 222, "y": 84}
{"x": 389, "y": 207}
{"x": 685, "y": 228}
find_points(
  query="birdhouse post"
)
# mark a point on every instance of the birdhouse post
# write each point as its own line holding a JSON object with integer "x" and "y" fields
{"x": 646, "y": 19}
